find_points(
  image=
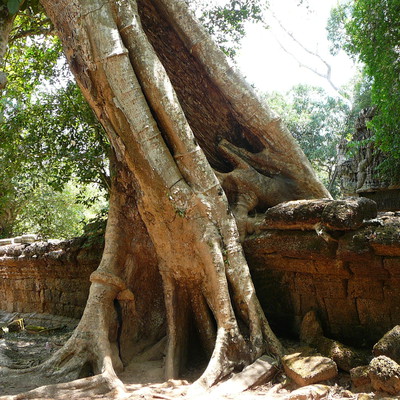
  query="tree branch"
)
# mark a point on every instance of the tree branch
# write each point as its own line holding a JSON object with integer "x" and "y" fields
{"x": 32, "y": 32}
{"x": 327, "y": 75}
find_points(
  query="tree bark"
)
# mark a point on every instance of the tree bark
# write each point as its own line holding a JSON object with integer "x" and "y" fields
{"x": 174, "y": 110}
{"x": 6, "y": 24}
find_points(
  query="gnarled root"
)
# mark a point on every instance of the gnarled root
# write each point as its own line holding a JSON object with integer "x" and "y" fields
{"x": 90, "y": 350}
{"x": 104, "y": 383}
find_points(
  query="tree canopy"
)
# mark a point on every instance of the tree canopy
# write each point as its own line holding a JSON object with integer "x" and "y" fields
{"x": 69, "y": 143}
{"x": 370, "y": 31}
{"x": 318, "y": 121}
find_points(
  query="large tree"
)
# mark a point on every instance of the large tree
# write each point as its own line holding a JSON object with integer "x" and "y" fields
{"x": 177, "y": 117}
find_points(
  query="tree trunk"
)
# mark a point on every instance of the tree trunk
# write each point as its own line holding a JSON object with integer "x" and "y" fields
{"x": 173, "y": 110}
{"x": 6, "y": 24}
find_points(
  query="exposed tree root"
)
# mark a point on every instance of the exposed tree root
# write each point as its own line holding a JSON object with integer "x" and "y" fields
{"x": 103, "y": 384}
{"x": 181, "y": 202}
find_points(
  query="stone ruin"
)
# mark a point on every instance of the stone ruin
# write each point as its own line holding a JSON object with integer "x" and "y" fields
{"x": 24, "y": 239}
{"x": 336, "y": 259}
{"x": 359, "y": 174}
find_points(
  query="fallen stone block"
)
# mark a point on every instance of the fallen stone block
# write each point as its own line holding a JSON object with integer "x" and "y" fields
{"x": 310, "y": 329}
{"x": 347, "y": 214}
{"x": 360, "y": 376}
{"x": 345, "y": 357}
{"x": 312, "y": 392}
{"x": 28, "y": 239}
{"x": 306, "y": 370}
{"x": 5, "y": 242}
{"x": 385, "y": 375}
{"x": 389, "y": 345}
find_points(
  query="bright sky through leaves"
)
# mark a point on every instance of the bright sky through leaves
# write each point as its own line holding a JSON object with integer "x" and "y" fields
{"x": 266, "y": 65}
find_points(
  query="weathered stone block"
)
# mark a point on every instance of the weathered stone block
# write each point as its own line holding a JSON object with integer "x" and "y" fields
{"x": 342, "y": 311}
{"x": 304, "y": 283}
{"x": 371, "y": 268}
{"x": 385, "y": 375}
{"x": 389, "y": 345}
{"x": 309, "y": 369}
{"x": 289, "y": 264}
{"x": 386, "y": 239}
{"x": 311, "y": 392}
{"x": 392, "y": 265}
{"x": 332, "y": 267}
{"x": 365, "y": 288}
{"x": 294, "y": 244}
{"x": 359, "y": 376}
{"x": 348, "y": 214}
{"x": 331, "y": 214}
{"x": 374, "y": 312}
{"x": 328, "y": 286}
{"x": 355, "y": 245}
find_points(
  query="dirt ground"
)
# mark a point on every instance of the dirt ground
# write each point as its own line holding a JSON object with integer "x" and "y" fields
{"x": 144, "y": 380}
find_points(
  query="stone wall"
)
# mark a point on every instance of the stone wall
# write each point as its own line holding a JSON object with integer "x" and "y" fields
{"x": 352, "y": 280}
{"x": 350, "y": 276}
{"x": 48, "y": 277}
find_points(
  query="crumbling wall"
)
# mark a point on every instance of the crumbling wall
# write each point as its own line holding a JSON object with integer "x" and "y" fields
{"x": 359, "y": 162}
{"x": 48, "y": 277}
{"x": 352, "y": 281}
{"x": 333, "y": 257}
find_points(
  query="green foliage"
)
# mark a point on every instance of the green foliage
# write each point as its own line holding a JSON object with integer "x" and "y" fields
{"x": 54, "y": 214}
{"x": 318, "y": 122}
{"x": 48, "y": 136}
{"x": 13, "y": 6}
{"x": 372, "y": 33}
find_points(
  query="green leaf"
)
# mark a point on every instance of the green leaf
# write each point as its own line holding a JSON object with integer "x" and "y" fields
{"x": 13, "y": 6}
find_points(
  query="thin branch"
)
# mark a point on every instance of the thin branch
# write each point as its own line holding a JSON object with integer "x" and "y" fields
{"x": 327, "y": 75}
{"x": 32, "y": 32}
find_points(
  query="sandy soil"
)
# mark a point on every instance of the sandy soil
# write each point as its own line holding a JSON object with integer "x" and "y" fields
{"x": 144, "y": 380}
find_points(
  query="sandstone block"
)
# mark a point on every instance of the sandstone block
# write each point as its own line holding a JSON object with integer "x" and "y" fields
{"x": 311, "y": 392}
{"x": 345, "y": 214}
{"x": 392, "y": 264}
{"x": 348, "y": 214}
{"x": 385, "y": 375}
{"x": 345, "y": 357}
{"x": 371, "y": 268}
{"x": 309, "y": 369}
{"x": 389, "y": 345}
{"x": 294, "y": 244}
{"x": 359, "y": 376}
{"x": 374, "y": 312}
{"x": 386, "y": 240}
{"x": 333, "y": 267}
{"x": 331, "y": 286}
{"x": 304, "y": 283}
{"x": 310, "y": 329}
{"x": 342, "y": 311}
{"x": 365, "y": 288}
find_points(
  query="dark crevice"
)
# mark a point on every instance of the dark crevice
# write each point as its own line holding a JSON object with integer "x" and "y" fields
{"x": 205, "y": 108}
